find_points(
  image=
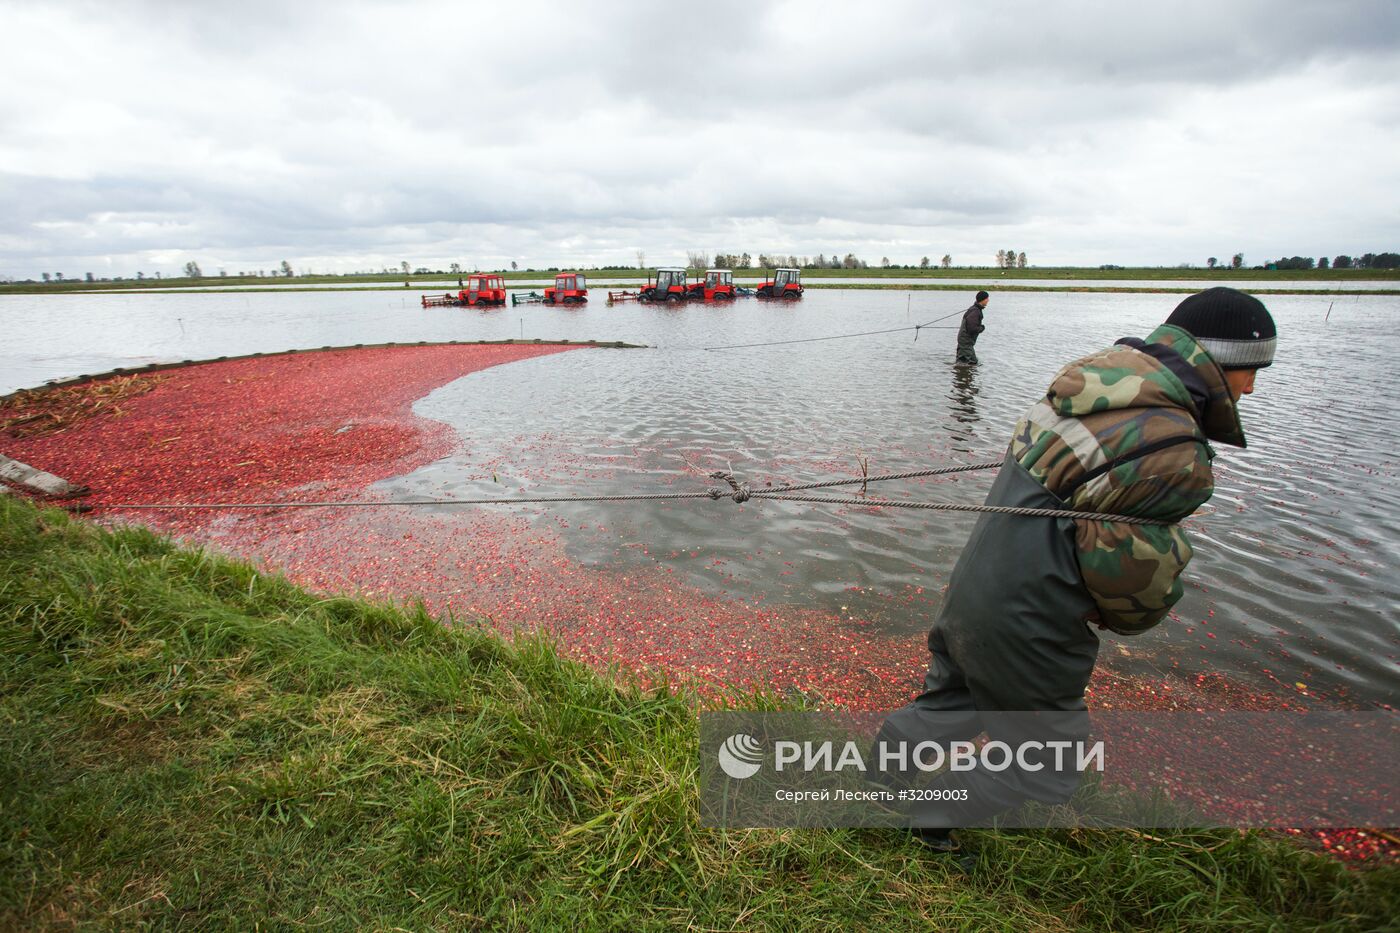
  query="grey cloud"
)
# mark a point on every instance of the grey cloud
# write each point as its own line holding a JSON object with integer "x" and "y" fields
{"x": 529, "y": 129}
{"x": 820, "y": 52}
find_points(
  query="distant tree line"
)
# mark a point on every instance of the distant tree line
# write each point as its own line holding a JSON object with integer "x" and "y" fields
{"x": 1364, "y": 261}
{"x": 699, "y": 260}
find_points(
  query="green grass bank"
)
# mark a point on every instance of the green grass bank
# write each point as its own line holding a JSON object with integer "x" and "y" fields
{"x": 187, "y": 743}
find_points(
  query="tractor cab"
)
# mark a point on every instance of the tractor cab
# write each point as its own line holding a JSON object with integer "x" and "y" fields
{"x": 668, "y": 285}
{"x": 718, "y": 285}
{"x": 569, "y": 288}
{"x": 786, "y": 283}
{"x": 483, "y": 289}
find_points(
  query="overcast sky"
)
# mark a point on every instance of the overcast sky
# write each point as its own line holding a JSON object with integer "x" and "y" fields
{"x": 345, "y": 136}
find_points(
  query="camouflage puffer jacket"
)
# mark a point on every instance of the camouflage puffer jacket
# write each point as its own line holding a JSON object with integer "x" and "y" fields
{"x": 1125, "y": 431}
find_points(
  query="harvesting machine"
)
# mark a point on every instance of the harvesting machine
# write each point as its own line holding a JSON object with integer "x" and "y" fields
{"x": 718, "y": 285}
{"x": 667, "y": 285}
{"x": 483, "y": 289}
{"x": 569, "y": 288}
{"x": 786, "y": 283}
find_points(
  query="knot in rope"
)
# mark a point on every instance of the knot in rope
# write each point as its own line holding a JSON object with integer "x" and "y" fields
{"x": 740, "y": 491}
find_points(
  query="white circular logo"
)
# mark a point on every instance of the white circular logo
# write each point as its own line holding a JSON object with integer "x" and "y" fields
{"x": 740, "y": 756}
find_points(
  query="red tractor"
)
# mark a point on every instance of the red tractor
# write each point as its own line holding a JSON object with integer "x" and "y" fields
{"x": 483, "y": 290}
{"x": 718, "y": 286}
{"x": 669, "y": 285}
{"x": 570, "y": 288}
{"x": 786, "y": 283}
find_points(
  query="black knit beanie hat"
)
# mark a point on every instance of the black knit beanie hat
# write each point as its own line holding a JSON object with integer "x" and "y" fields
{"x": 1236, "y": 329}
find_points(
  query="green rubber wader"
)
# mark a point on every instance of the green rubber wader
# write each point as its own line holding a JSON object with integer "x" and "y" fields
{"x": 1010, "y": 636}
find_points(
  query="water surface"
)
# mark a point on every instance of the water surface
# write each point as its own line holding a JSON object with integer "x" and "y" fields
{"x": 1294, "y": 580}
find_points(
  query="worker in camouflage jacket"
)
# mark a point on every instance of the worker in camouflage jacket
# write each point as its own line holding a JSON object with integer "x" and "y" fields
{"x": 1124, "y": 431}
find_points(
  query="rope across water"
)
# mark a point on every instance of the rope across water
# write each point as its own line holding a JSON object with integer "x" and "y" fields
{"x": 927, "y": 325}
{"x": 865, "y": 333}
{"x": 958, "y": 507}
{"x": 738, "y": 492}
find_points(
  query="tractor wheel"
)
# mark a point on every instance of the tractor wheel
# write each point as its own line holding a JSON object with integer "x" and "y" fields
{"x": 675, "y": 297}
{"x": 723, "y": 296}
{"x": 766, "y": 292}
{"x": 792, "y": 294}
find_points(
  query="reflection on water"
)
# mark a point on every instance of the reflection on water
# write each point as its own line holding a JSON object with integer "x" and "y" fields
{"x": 962, "y": 404}
{"x": 1294, "y": 579}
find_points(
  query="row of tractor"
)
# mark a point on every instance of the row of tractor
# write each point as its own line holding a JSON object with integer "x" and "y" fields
{"x": 484, "y": 290}
{"x": 718, "y": 285}
{"x": 669, "y": 284}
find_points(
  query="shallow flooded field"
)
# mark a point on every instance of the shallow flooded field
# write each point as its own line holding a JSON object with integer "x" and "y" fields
{"x": 1293, "y": 589}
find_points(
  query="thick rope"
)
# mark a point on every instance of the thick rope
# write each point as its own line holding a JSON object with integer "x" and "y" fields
{"x": 954, "y": 507}
{"x": 913, "y": 474}
{"x": 740, "y": 492}
{"x": 362, "y": 503}
{"x": 528, "y": 500}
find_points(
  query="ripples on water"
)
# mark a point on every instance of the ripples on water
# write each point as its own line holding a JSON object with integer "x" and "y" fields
{"x": 1296, "y": 556}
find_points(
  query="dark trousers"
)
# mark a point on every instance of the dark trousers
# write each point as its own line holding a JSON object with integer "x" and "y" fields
{"x": 1009, "y": 638}
{"x": 966, "y": 351}
{"x": 998, "y": 693}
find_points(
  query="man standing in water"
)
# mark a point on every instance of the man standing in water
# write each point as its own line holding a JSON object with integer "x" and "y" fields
{"x": 1123, "y": 431}
{"x": 971, "y": 326}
